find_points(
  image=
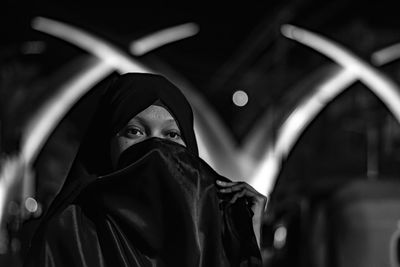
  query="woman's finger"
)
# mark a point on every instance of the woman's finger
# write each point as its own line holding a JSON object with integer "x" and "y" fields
{"x": 226, "y": 184}
{"x": 237, "y": 196}
{"x": 234, "y": 188}
{"x": 241, "y": 192}
{"x": 237, "y": 187}
{"x": 242, "y": 189}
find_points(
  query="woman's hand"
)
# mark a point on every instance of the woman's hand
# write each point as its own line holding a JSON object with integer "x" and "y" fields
{"x": 256, "y": 200}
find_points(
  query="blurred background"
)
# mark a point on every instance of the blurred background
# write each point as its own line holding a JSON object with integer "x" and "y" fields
{"x": 335, "y": 195}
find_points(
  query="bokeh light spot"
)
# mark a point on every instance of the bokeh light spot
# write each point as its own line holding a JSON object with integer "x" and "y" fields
{"x": 240, "y": 98}
{"x": 31, "y": 204}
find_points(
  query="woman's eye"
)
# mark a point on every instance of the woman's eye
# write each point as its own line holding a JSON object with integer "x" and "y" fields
{"x": 174, "y": 135}
{"x": 133, "y": 132}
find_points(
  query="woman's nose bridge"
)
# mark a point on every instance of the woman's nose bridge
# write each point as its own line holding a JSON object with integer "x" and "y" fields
{"x": 155, "y": 133}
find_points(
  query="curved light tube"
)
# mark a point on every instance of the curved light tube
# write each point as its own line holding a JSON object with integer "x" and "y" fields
{"x": 42, "y": 124}
{"x": 294, "y": 125}
{"x": 381, "y": 85}
{"x": 308, "y": 109}
{"x": 10, "y": 175}
{"x": 272, "y": 158}
{"x": 354, "y": 68}
{"x": 124, "y": 63}
{"x": 16, "y": 171}
{"x": 162, "y": 37}
{"x": 386, "y": 55}
{"x": 96, "y": 46}
{"x": 304, "y": 113}
{"x": 253, "y": 180}
{"x": 47, "y": 118}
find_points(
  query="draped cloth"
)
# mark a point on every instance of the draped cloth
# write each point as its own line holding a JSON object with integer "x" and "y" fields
{"x": 159, "y": 207}
{"x": 161, "y": 210}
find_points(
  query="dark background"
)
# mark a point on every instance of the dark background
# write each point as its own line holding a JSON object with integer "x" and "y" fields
{"x": 239, "y": 47}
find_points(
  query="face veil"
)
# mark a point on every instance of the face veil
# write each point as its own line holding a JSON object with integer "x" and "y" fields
{"x": 160, "y": 207}
{"x": 128, "y": 95}
{"x": 124, "y": 97}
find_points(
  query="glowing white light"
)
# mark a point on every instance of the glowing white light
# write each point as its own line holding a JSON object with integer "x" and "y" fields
{"x": 354, "y": 68}
{"x": 160, "y": 38}
{"x": 394, "y": 247}
{"x": 263, "y": 179}
{"x": 219, "y": 142}
{"x": 201, "y": 143}
{"x": 31, "y": 204}
{"x": 215, "y": 144}
{"x": 307, "y": 110}
{"x": 46, "y": 119}
{"x": 240, "y": 98}
{"x": 42, "y": 124}
{"x": 381, "y": 85}
{"x": 10, "y": 175}
{"x": 3, "y": 201}
{"x": 123, "y": 63}
{"x": 100, "y": 48}
{"x": 297, "y": 121}
{"x": 386, "y": 55}
{"x": 280, "y": 236}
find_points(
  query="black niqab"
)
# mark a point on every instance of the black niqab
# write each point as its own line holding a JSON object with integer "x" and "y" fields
{"x": 160, "y": 207}
{"x": 128, "y": 95}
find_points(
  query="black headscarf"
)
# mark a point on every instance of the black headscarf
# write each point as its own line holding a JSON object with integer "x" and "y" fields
{"x": 160, "y": 207}
{"x": 126, "y": 96}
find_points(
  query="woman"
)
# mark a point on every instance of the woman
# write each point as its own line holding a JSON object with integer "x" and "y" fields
{"x": 138, "y": 194}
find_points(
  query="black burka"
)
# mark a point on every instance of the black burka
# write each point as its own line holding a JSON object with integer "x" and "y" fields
{"x": 160, "y": 207}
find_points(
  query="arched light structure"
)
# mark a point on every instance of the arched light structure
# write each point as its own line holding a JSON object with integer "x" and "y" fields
{"x": 42, "y": 124}
{"x": 353, "y": 69}
{"x": 216, "y": 144}
{"x": 166, "y": 36}
{"x": 107, "y": 58}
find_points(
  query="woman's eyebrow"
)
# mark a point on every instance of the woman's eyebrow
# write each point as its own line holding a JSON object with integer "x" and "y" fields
{"x": 136, "y": 120}
{"x": 170, "y": 122}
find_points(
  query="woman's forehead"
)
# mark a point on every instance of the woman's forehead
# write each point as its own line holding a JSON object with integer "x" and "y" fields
{"x": 155, "y": 112}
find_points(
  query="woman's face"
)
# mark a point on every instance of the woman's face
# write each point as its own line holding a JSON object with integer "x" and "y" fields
{"x": 154, "y": 121}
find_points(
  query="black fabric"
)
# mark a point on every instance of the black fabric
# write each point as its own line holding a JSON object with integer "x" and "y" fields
{"x": 128, "y": 95}
{"x": 124, "y": 96}
{"x": 160, "y": 207}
